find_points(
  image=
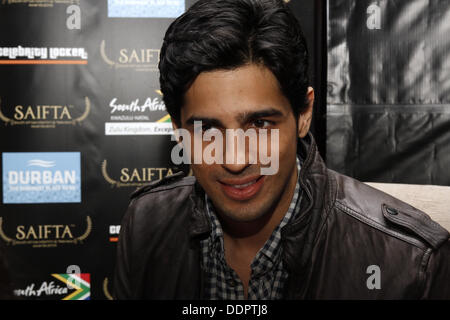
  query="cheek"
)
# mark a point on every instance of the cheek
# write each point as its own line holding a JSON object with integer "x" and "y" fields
{"x": 198, "y": 171}
{"x": 287, "y": 145}
{"x": 203, "y": 173}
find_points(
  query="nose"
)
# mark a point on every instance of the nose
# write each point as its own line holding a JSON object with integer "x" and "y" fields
{"x": 236, "y": 158}
{"x": 235, "y": 168}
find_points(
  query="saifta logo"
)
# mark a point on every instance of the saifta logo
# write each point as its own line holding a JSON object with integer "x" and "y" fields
{"x": 134, "y": 177}
{"x": 138, "y": 59}
{"x": 45, "y": 116}
{"x": 45, "y": 235}
{"x": 106, "y": 290}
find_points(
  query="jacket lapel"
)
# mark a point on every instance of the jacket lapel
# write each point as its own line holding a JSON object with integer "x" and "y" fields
{"x": 299, "y": 237}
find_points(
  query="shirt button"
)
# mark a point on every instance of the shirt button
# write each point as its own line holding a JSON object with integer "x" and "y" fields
{"x": 231, "y": 282}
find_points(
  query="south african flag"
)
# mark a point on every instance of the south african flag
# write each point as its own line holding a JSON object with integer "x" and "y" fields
{"x": 81, "y": 282}
{"x": 166, "y": 118}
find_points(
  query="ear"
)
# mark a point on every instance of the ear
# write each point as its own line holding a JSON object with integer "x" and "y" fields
{"x": 304, "y": 119}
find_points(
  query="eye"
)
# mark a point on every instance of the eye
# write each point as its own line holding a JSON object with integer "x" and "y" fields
{"x": 203, "y": 127}
{"x": 209, "y": 128}
{"x": 206, "y": 127}
{"x": 260, "y": 123}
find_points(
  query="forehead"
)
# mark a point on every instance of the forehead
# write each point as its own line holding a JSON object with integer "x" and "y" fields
{"x": 230, "y": 93}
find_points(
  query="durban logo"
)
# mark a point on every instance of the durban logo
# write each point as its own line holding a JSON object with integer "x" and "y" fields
{"x": 41, "y": 177}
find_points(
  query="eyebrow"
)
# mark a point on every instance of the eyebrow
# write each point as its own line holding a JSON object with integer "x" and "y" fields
{"x": 205, "y": 120}
{"x": 243, "y": 117}
{"x": 248, "y": 116}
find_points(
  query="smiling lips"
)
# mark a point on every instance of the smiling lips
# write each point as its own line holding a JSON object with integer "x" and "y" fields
{"x": 242, "y": 189}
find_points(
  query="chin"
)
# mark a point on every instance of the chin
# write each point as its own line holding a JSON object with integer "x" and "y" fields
{"x": 244, "y": 213}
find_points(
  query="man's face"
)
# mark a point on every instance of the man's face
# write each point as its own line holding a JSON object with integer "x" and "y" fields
{"x": 247, "y": 98}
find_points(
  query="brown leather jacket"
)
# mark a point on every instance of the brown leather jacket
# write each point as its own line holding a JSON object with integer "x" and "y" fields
{"x": 347, "y": 237}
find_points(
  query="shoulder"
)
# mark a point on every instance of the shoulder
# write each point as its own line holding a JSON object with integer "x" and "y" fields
{"x": 161, "y": 201}
{"x": 387, "y": 214}
{"x": 169, "y": 184}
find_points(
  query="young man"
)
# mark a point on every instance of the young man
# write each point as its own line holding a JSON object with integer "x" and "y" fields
{"x": 231, "y": 232}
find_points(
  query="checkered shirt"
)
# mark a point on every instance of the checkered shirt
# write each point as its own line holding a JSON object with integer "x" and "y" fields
{"x": 267, "y": 272}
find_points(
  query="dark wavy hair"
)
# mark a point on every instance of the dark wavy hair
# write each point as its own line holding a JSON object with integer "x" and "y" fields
{"x": 227, "y": 34}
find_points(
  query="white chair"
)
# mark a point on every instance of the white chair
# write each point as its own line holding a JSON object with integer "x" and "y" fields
{"x": 433, "y": 200}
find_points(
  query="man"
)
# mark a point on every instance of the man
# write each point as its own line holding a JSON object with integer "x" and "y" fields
{"x": 230, "y": 232}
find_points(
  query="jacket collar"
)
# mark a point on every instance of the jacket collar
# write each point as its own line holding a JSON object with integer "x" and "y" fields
{"x": 199, "y": 221}
{"x": 299, "y": 236}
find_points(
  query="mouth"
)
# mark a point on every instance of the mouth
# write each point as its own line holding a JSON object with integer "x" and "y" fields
{"x": 242, "y": 189}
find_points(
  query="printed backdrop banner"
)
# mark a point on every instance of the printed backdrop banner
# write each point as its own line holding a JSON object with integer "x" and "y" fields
{"x": 82, "y": 125}
{"x": 388, "y": 95}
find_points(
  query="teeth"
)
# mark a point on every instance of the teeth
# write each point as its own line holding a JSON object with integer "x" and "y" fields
{"x": 242, "y": 186}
